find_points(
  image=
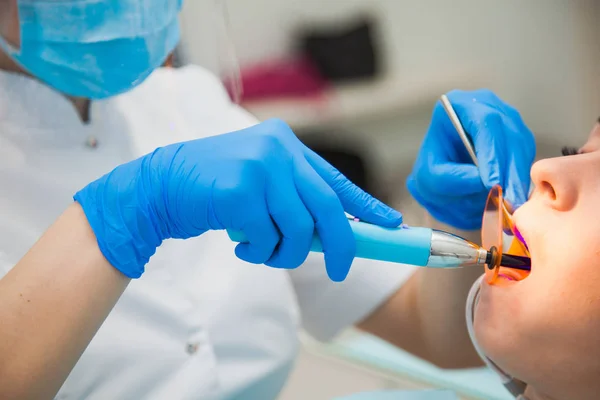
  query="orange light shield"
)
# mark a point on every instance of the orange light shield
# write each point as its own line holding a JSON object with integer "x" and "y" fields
{"x": 500, "y": 236}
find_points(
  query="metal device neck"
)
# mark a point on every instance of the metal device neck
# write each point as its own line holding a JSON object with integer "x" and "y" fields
{"x": 448, "y": 250}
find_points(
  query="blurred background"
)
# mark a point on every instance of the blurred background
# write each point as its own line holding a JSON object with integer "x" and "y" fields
{"x": 357, "y": 80}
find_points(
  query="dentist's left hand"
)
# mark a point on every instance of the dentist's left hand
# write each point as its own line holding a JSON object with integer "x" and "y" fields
{"x": 445, "y": 181}
{"x": 261, "y": 180}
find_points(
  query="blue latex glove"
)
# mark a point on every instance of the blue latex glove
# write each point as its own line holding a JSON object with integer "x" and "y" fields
{"x": 261, "y": 180}
{"x": 445, "y": 181}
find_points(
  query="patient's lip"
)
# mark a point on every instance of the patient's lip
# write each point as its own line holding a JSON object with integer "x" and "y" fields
{"x": 510, "y": 278}
{"x": 520, "y": 237}
{"x": 510, "y": 274}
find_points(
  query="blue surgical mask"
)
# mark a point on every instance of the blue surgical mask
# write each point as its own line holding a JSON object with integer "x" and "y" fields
{"x": 94, "y": 48}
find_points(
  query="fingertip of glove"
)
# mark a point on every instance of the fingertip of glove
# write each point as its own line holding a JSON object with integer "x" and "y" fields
{"x": 244, "y": 252}
{"x": 393, "y": 218}
{"x": 337, "y": 274}
{"x": 410, "y": 184}
{"x": 240, "y": 253}
{"x": 383, "y": 215}
{"x": 337, "y": 266}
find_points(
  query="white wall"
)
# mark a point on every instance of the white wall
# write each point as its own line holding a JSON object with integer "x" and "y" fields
{"x": 541, "y": 55}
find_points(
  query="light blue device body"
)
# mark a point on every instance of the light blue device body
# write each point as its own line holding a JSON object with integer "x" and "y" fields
{"x": 404, "y": 245}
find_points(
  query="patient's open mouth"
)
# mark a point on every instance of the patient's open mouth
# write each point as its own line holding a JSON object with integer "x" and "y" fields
{"x": 506, "y": 276}
{"x": 512, "y": 274}
{"x": 515, "y": 264}
{"x": 522, "y": 263}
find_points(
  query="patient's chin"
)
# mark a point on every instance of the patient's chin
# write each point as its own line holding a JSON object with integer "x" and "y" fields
{"x": 496, "y": 342}
{"x": 496, "y": 317}
{"x": 484, "y": 333}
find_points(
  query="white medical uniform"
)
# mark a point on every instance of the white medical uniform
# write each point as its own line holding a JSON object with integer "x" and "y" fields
{"x": 200, "y": 323}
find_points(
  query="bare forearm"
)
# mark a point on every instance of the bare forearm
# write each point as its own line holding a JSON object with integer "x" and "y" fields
{"x": 52, "y": 303}
{"x": 441, "y": 302}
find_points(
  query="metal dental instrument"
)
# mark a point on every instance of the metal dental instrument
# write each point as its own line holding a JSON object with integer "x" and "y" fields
{"x": 459, "y": 128}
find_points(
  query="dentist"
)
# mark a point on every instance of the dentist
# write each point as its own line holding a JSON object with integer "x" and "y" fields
{"x": 82, "y": 93}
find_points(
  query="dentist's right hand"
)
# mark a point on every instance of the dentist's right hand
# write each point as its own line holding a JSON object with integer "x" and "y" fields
{"x": 445, "y": 181}
{"x": 261, "y": 180}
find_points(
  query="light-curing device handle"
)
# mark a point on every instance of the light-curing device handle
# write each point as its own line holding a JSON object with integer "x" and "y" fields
{"x": 404, "y": 245}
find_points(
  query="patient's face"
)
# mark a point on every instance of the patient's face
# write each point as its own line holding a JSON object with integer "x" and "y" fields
{"x": 545, "y": 329}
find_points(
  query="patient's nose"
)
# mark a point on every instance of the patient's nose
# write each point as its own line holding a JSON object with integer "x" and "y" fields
{"x": 556, "y": 181}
